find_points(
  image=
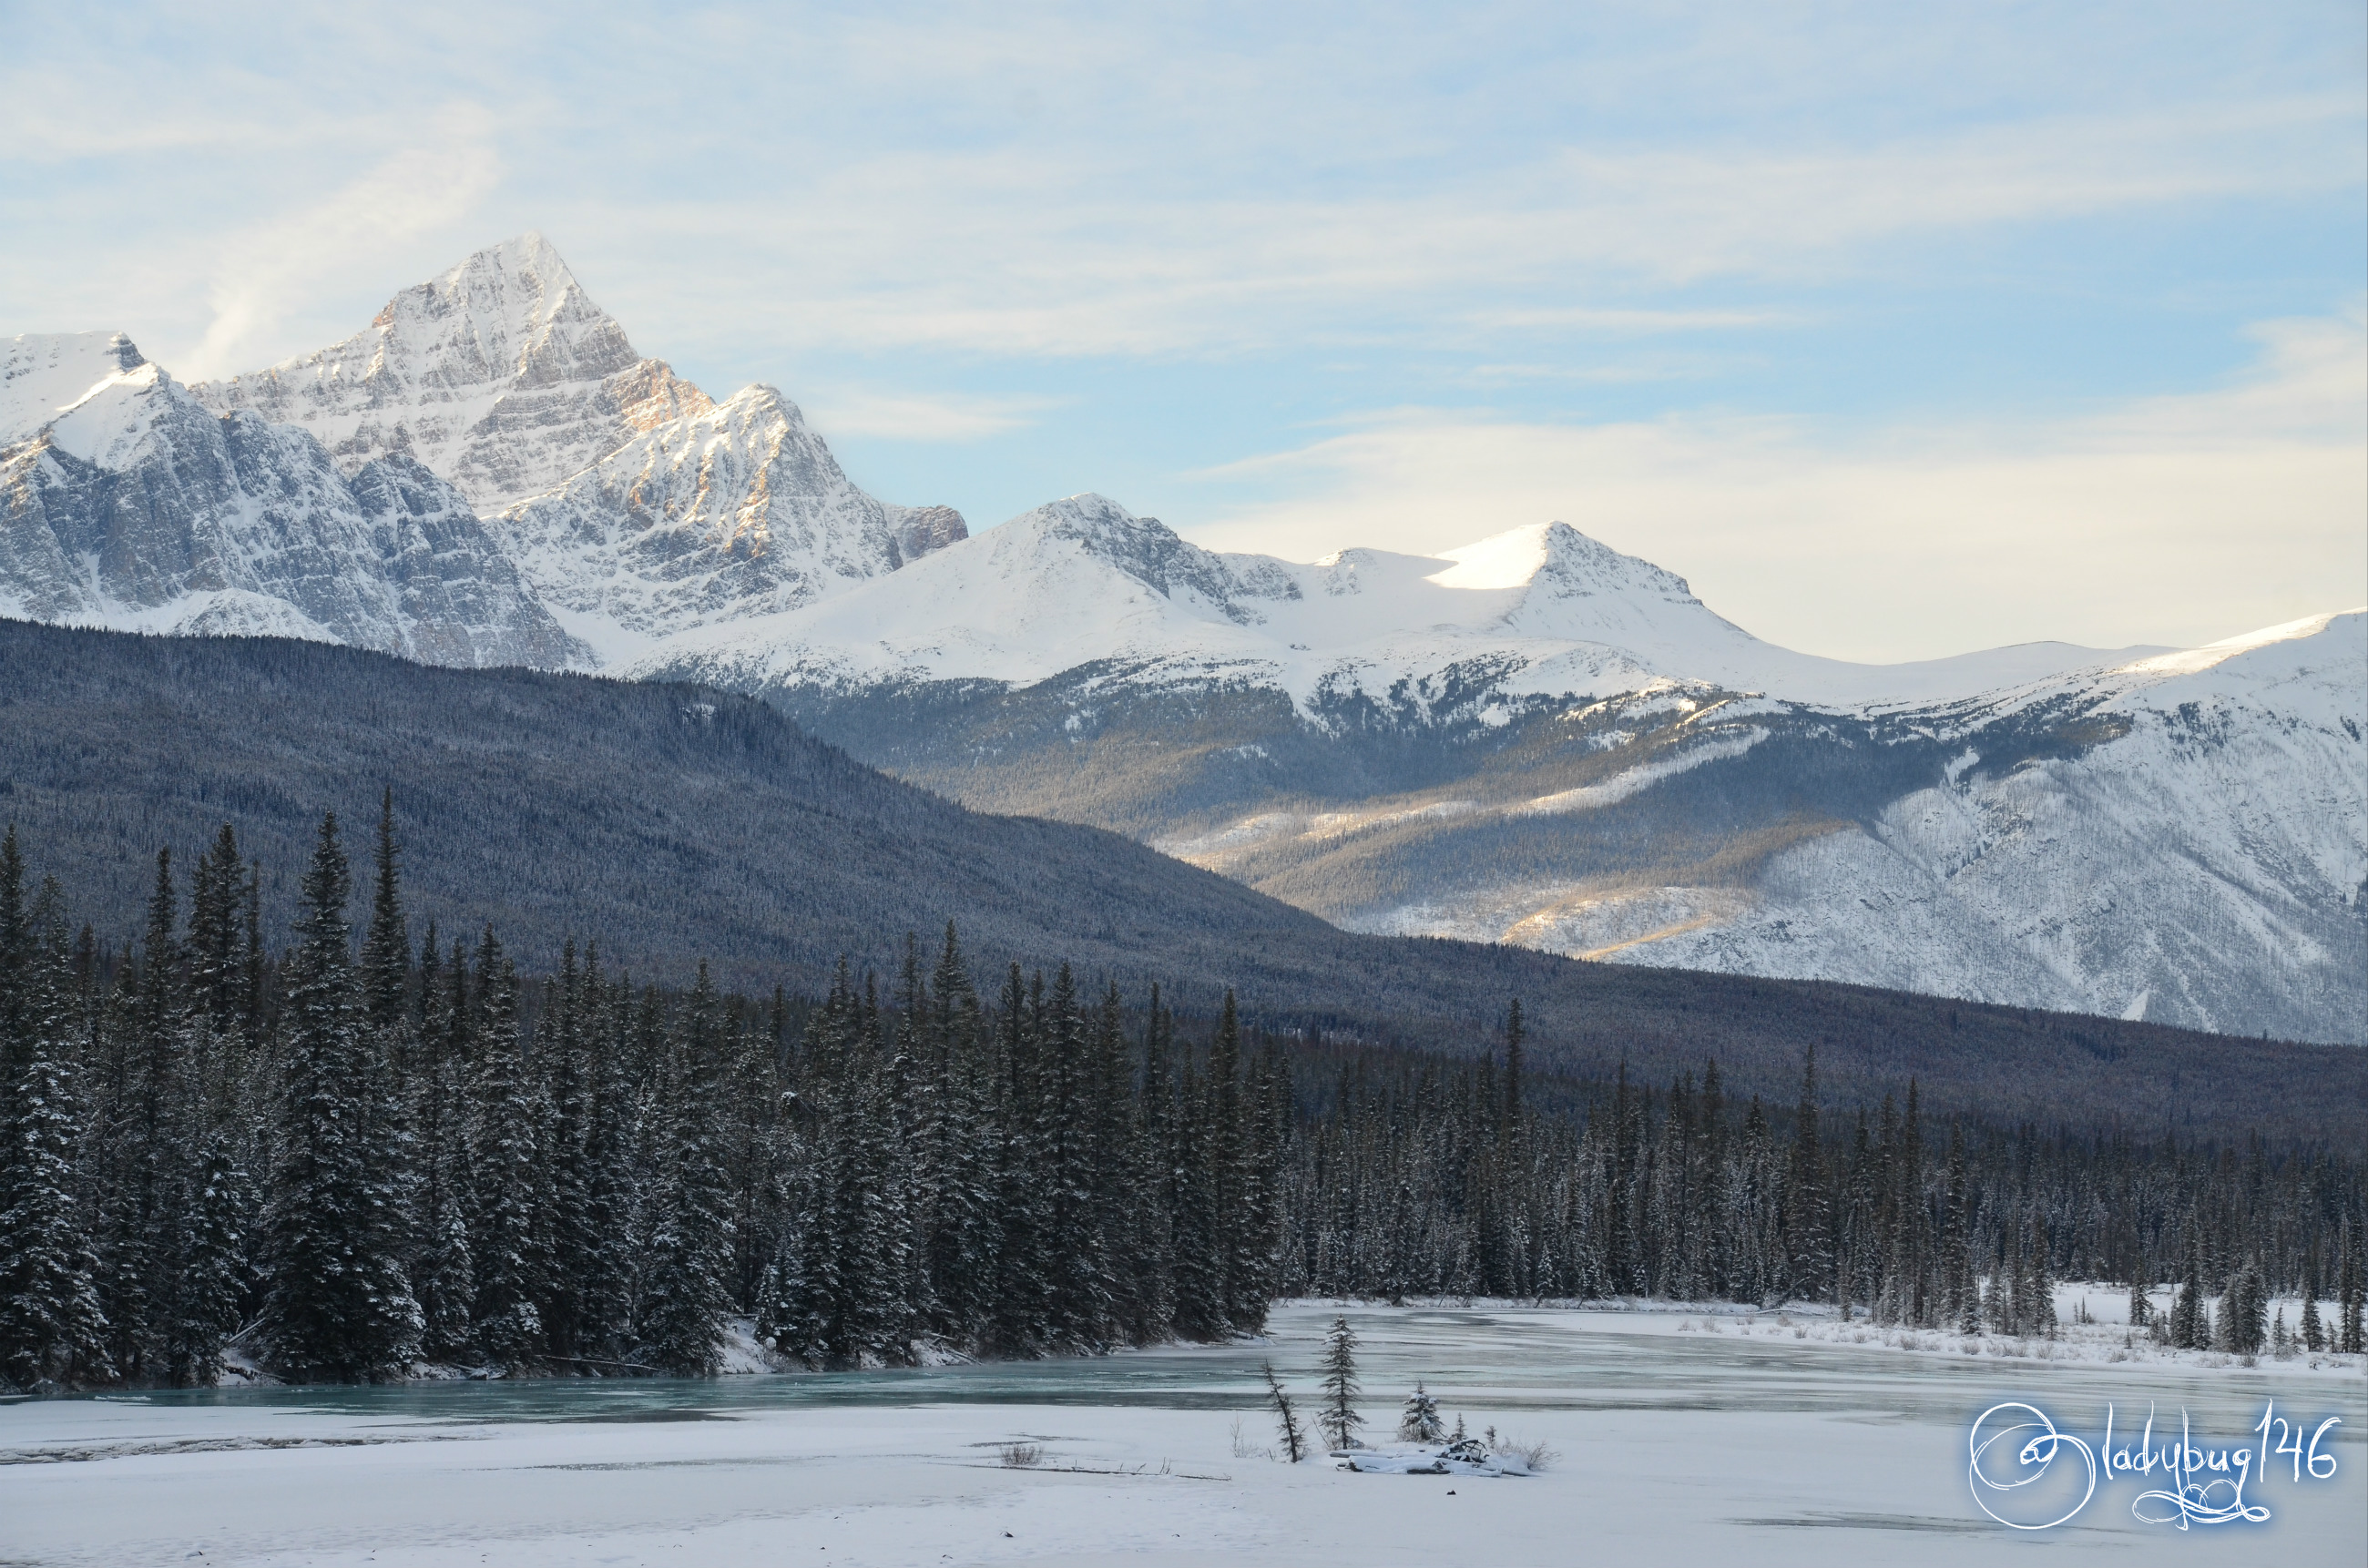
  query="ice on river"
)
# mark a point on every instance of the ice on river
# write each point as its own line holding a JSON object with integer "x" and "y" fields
{"x": 1675, "y": 1448}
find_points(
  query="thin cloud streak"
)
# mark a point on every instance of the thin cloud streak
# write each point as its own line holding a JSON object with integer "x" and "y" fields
{"x": 918, "y": 417}
{"x": 417, "y": 191}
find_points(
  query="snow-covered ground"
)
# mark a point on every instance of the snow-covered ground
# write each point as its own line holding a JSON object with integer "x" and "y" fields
{"x": 2093, "y": 1330}
{"x": 1677, "y": 1447}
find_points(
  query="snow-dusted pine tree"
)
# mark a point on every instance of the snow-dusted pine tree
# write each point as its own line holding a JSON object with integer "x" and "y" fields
{"x": 339, "y": 1305}
{"x": 2352, "y": 1335}
{"x": 1286, "y": 1415}
{"x": 506, "y": 1164}
{"x": 686, "y": 1249}
{"x": 1420, "y": 1421}
{"x": 1339, "y": 1418}
{"x": 52, "y": 1331}
{"x": 209, "y": 1243}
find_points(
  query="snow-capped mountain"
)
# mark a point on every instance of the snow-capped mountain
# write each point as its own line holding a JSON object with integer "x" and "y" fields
{"x": 630, "y": 503}
{"x": 124, "y": 502}
{"x": 1532, "y": 738}
{"x": 1544, "y": 609}
{"x": 1536, "y": 739}
{"x": 501, "y": 375}
{"x": 338, "y": 494}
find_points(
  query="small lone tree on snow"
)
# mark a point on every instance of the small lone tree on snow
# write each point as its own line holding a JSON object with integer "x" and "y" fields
{"x": 1294, "y": 1441}
{"x": 1421, "y": 1422}
{"x": 1340, "y": 1419}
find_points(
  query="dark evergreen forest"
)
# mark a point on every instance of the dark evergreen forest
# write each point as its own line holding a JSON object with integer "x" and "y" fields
{"x": 683, "y": 824}
{"x": 349, "y": 1146}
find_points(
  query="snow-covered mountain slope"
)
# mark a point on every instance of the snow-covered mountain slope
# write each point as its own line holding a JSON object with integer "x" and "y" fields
{"x": 130, "y": 506}
{"x": 1072, "y": 583}
{"x": 633, "y": 505}
{"x": 501, "y": 375}
{"x": 717, "y": 517}
{"x": 1547, "y": 610}
{"x": 2182, "y": 839}
{"x": 44, "y": 376}
{"x": 1535, "y": 739}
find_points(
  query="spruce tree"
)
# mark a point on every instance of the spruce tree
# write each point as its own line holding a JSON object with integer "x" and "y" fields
{"x": 386, "y": 949}
{"x": 2187, "y": 1308}
{"x": 1419, "y": 1423}
{"x": 1224, "y": 1168}
{"x": 1286, "y": 1415}
{"x": 2351, "y": 1334}
{"x": 1340, "y": 1420}
{"x": 2245, "y": 1312}
{"x": 340, "y": 1305}
{"x": 1152, "y": 1260}
{"x": 143, "y": 1137}
{"x": 1021, "y": 1282}
{"x": 1809, "y": 1235}
{"x": 505, "y": 1163}
{"x": 1077, "y": 1293}
{"x": 684, "y": 1294}
{"x": 957, "y": 1155}
{"x": 216, "y": 894}
{"x": 1198, "y": 1268}
{"x": 606, "y": 1291}
{"x": 569, "y": 1239}
{"x": 53, "y": 1333}
{"x": 2042, "y": 1283}
{"x": 445, "y": 1270}
{"x": 207, "y": 1253}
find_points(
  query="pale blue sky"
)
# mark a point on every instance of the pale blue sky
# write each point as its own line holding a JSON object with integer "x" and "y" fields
{"x": 1898, "y": 329}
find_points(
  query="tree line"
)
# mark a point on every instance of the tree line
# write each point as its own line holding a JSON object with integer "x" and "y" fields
{"x": 1424, "y": 1178}
{"x": 339, "y": 1158}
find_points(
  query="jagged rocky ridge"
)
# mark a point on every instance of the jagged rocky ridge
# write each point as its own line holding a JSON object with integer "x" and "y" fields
{"x": 134, "y": 507}
{"x": 1534, "y": 739}
{"x": 488, "y": 473}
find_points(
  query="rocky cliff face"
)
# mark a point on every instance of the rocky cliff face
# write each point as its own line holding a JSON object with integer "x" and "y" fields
{"x": 338, "y": 495}
{"x": 134, "y": 507}
{"x": 501, "y": 375}
{"x": 629, "y": 502}
{"x": 735, "y": 513}
{"x": 920, "y": 529}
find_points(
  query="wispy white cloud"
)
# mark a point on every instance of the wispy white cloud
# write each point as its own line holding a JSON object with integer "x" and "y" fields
{"x": 911, "y": 417}
{"x": 1069, "y": 252}
{"x": 2175, "y": 519}
{"x": 419, "y": 189}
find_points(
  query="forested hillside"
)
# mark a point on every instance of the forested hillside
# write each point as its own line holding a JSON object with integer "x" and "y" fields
{"x": 344, "y": 1160}
{"x": 684, "y": 825}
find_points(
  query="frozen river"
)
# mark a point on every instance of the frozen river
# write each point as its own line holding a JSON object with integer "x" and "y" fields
{"x": 1675, "y": 1448}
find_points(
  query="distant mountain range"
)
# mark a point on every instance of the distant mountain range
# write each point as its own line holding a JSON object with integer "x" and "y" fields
{"x": 1534, "y": 739}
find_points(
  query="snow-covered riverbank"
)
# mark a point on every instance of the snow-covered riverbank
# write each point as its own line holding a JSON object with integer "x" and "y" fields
{"x": 1675, "y": 1446}
{"x": 2093, "y": 1329}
